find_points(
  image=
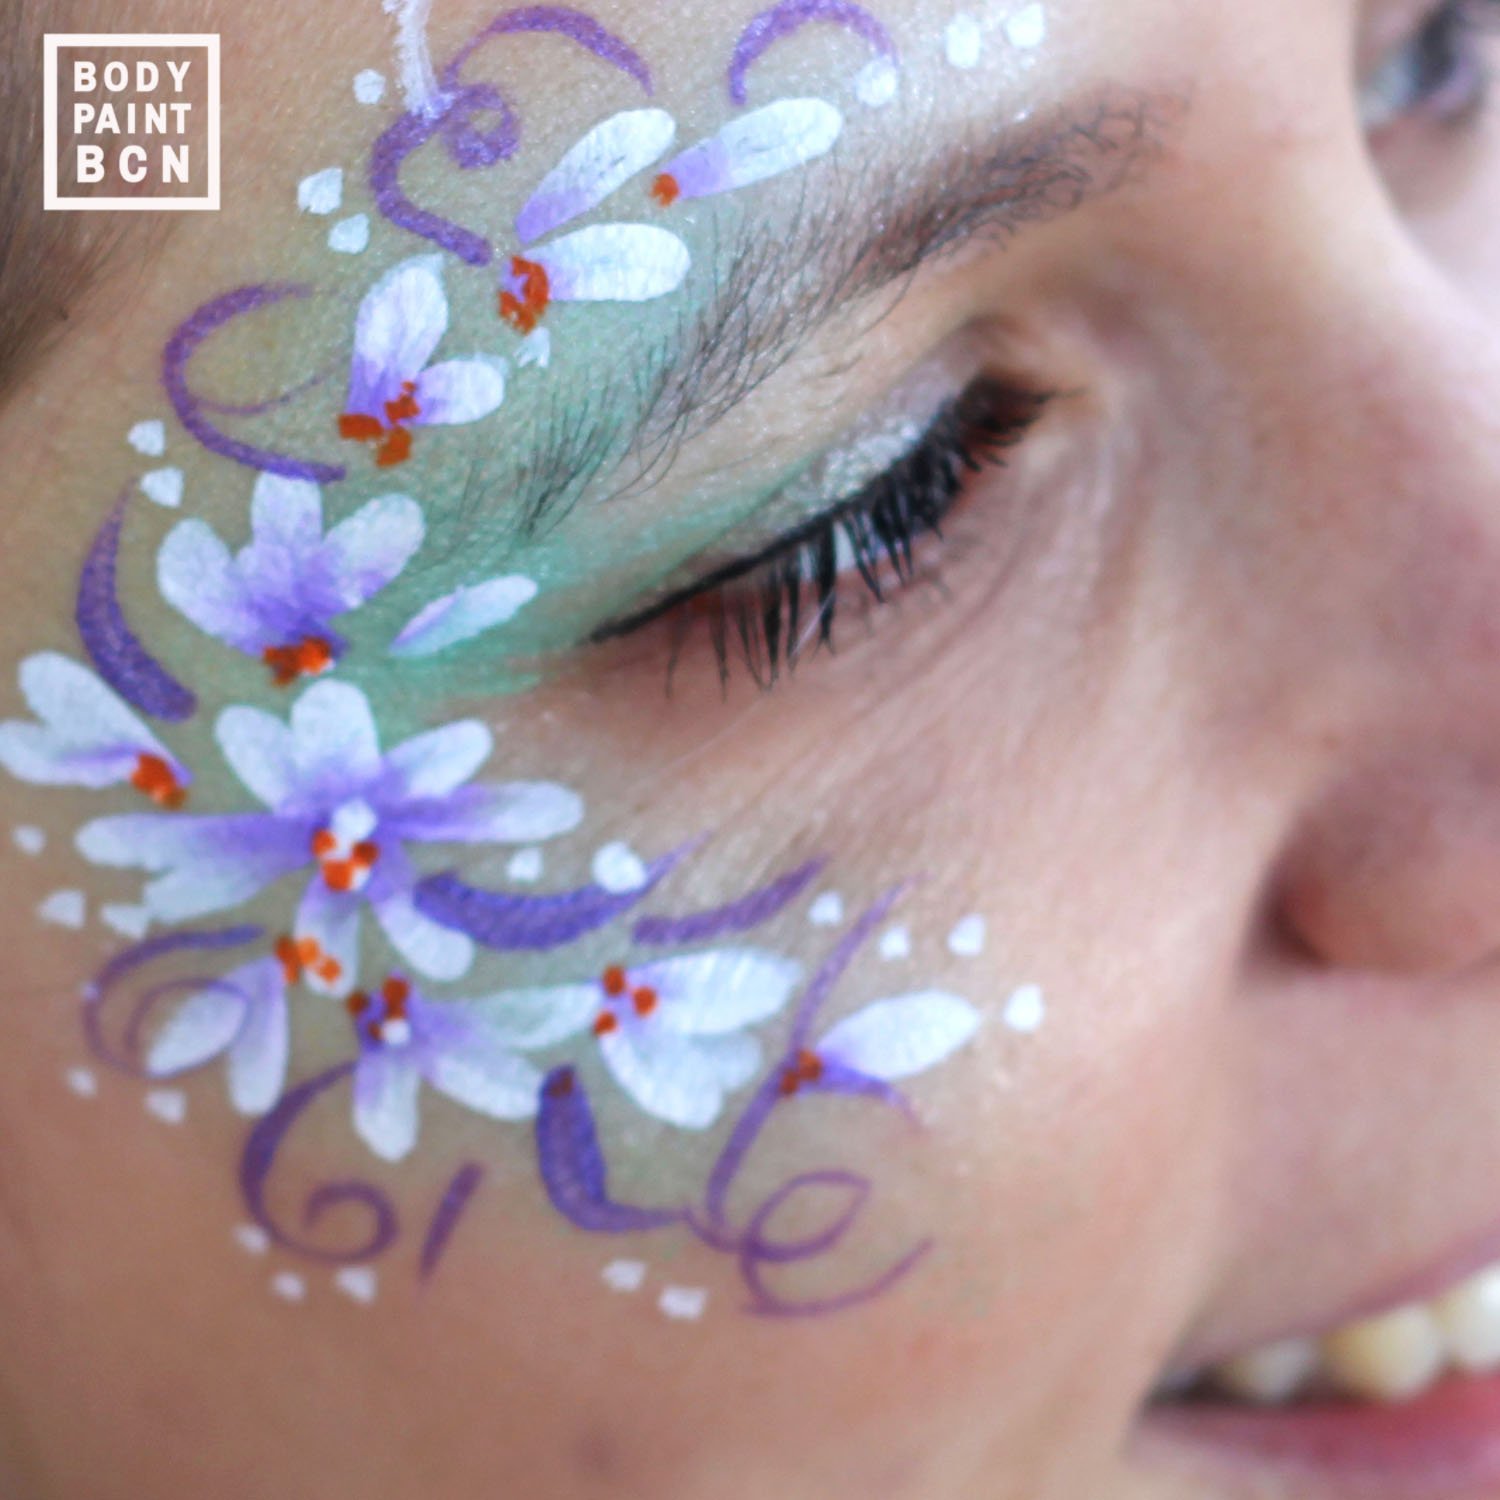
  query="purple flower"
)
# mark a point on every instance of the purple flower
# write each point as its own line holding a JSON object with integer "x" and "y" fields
{"x": 673, "y": 1033}
{"x": 392, "y": 388}
{"x": 406, "y": 1040}
{"x": 86, "y": 735}
{"x": 241, "y": 1017}
{"x": 332, "y": 799}
{"x": 277, "y": 598}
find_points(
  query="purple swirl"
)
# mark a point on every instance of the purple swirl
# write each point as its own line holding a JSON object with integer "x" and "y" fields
{"x": 780, "y": 21}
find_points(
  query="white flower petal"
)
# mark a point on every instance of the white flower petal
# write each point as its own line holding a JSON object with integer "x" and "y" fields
{"x": 524, "y": 812}
{"x": 260, "y": 751}
{"x": 365, "y": 552}
{"x": 460, "y": 616}
{"x": 614, "y": 263}
{"x": 199, "y": 579}
{"x": 386, "y": 1085}
{"x": 286, "y": 514}
{"x": 460, "y": 390}
{"x": 721, "y": 990}
{"x": 604, "y": 160}
{"x": 258, "y": 1055}
{"x": 755, "y": 146}
{"x": 485, "y": 1076}
{"x": 433, "y": 950}
{"x": 539, "y": 1017}
{"x": 200, "y": 1028}
{"x": 896, "y": 1038}
{"x": 80, "y": 709}
{"x": 679, "y": 1079}
{"x": 336, "y": 741}
{"x": 331, "y": 919}
{"x": 400, "y": 322}
{"x": 438, "y": 762}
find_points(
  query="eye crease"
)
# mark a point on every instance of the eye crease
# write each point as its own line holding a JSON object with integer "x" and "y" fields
{"x": 768, "y": 607}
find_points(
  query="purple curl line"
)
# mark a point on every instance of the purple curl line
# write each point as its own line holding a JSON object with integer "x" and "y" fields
{"x": 462, "y": 1186}
{"x": 742, "y": 915}
{"x": 259, "y": 408}
{"x": 780, "y": 21}
{"x": 190, "y": 408}
{"x": 125, "y": 963}
{"x": 467, "y": 146}
{"x": 113, "y": 647}
{"x": 259, "y": 1157}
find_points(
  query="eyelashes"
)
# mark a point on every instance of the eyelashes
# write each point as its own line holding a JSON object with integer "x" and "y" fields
{"x": 768, "y": 609}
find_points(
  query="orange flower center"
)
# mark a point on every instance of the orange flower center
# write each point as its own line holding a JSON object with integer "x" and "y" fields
{"x": 392, "y": 435}
{"x": 808, "y": 1068}
{"x": 154, "y": 777}
{"x": 615, "y": 983}
{"x": 523, "y": 312}
{"x": 666, "y": 189}
{"x": 309, "y": 657}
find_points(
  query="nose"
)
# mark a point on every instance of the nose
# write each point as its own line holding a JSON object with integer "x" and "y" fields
{"x": 1392, "y": 862}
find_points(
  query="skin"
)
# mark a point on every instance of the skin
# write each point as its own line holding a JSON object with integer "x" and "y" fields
{"x": 1201, "y": 720}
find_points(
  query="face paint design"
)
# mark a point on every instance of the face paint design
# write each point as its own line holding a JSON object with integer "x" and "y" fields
{"x": 694, "y": 1021}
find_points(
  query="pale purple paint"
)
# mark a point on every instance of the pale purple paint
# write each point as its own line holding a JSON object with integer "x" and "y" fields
{"x": 734, "y": 916}
{"x": 780, "y": 21}
{"x": 462, "y": 1187}
{"x": 113, "y": 647}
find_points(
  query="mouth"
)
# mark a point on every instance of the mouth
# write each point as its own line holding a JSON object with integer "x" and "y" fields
{"x": 1399, "y": 1400}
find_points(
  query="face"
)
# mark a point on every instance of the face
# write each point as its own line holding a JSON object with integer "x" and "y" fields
{"x": 750, "y": 754}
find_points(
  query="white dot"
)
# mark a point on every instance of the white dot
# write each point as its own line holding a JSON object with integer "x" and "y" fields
{"x": 963, "y": 41}
{"x": 369, "y": 86}
{"x": 167, "y": 1105}
{"x": 322, "y": 192}
{"x": 1027, "y": 28}
{"x": 683, "y": 1302}
{"x": 82, "y": 1082}
{"x": 359, "y": 1283}
{"x": 252, "y": 1239}
{"x": 1026, "y": 1009}
{"x": 535, "y": 349}
{"x": 895, "y": 942}
{"x": 967, "y": 938}
{"x": 395, "y": 1032}
{"x": 350, "y": 236}
{"x": 524, "y": 866}
{"x": 624, "y": 1275}
{"x": 28, "y": 838}
{"x": 164, "y": 487}
{"x": 618, "y": 868}
{"x": 128, "y": 921}
{"x": 149, "y": 438}
{"x": 63, "y": 909}
{"x": 827, "y": 910}
{"x": 875, "y": 83}
{"x": 289, "y": 1286}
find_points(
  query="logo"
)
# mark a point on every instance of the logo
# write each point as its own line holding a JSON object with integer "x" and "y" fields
{"x": 130, "y": 121}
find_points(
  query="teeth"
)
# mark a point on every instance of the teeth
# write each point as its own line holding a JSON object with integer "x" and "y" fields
{"x": 1392, "y": 1357}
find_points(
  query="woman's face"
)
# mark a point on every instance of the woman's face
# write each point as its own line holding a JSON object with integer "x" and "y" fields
{"x": 1035, "y": 557}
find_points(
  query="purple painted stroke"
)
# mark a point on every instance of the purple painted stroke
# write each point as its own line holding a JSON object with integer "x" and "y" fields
{"x": 573, "y": 1168}
{"x": 510, "y": 923}
{"x": 758, "y": 1249}
{"x": 780, "y": 21}
{"x": 122, "y": 661}
{"x": 838, "y": 1078}
{"x": 735, "y": 916}
{"x": 191, "y": 409}
{"x": 259, "y": 1157}
{"x": 450, "y": 1210}
{"x": 469, "y": 147}
{"x": 124, "y": 963}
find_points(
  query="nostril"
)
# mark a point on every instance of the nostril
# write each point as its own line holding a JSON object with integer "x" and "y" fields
{"x": 1399, "y": 872}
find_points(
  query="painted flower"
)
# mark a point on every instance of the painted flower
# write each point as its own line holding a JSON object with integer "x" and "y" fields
{"x": 277, "y": 597}
{"x": 334, "y": 801}
{"x": 673, "y": 1033}
{"x": 751, "y": 148}
{"x": 241, "y": 1017}
{"x": 884, "y": 1041}
{"x": 406, "y": 1040}
{"x": 86, "y": 735}
{"x": 392, "y": 388}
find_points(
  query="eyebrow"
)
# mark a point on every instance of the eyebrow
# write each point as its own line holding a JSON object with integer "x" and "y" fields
{"x": 778, "y": 283}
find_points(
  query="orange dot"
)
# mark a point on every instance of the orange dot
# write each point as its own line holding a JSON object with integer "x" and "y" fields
{"x": 396, "y": 992}
{"x": 605, "y": 1023}
{"x": 330, "y": 970}
{"x": 154, "y": 777}
{"x": 519, "y": 316}
{"x": 613, "y": 980}
{"x": 323, "y": 843}
{"x": 338, "y": 874}
{"x": 308, "y": 950}
{"x": 645, "y": 999}
{"x": 359, "y": 426}
{"x": 365, "y": 853}
{"x": 357, "y": 1003}
{"x": 396, "y": 449}
{"x": 314, "y": 655}
{"x": 666, "y": 189}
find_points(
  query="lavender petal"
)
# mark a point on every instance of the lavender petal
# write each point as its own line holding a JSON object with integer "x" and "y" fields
{"x": 122, "y": 661}
{"x": 573, "y": 1168}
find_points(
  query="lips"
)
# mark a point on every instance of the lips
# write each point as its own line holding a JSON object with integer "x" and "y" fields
{"x": 1400, "y": 1399}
